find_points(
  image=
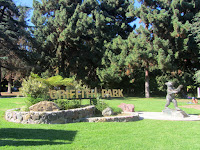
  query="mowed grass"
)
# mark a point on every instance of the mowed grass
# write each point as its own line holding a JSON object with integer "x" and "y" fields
{"x": 138, "y": 135}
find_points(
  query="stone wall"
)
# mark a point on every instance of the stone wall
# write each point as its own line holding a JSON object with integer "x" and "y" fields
{"x": 53, "y": 117}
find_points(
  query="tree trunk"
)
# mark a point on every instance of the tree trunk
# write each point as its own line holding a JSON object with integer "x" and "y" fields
{"x": 10, "y": 84}
{"x": 147, "y": 93}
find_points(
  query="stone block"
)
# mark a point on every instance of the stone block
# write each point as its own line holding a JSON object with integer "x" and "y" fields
{"x": 107, "y": 112}
{"x": 58, "y": 121}
{"x": 36, "y": 116}
{"x": 53, "y": 116}
{"x": 27, "y": 117}
{"x": 19, "y": 117}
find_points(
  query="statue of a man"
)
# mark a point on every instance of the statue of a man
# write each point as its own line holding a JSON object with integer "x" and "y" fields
{"x": 171, "y": 91}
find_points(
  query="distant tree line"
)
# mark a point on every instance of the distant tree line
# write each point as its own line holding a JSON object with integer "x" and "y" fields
{"x": 97, "y": 42}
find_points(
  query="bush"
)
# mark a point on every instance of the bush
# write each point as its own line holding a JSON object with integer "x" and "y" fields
{"x": 31, "y": 101}
{"x": 65, "y": 104}
{"x": 34, "y": 88}
{"x": 55, "y": 81}
{"x": 34, "y": 100}
{"x": 99, "y": 104}
{"x": 197, "y": 76}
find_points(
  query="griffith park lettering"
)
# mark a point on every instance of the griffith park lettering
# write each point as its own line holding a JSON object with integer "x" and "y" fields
{"x": 65, "y": 94}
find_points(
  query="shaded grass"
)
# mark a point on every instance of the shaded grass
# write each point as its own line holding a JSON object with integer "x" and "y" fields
{"x": 144, "y": 134}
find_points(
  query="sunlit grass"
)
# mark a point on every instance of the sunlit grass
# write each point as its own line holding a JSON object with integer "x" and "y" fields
{"x": 144, "y": 134}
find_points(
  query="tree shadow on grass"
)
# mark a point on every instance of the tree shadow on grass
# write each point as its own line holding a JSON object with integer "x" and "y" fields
{"x": 19, "y": 136}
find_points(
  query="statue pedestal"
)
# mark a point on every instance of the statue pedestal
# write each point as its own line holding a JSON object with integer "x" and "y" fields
{"x": 174, "y": 113}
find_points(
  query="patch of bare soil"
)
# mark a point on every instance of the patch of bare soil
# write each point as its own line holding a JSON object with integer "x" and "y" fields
{"x": 192, "y": 106}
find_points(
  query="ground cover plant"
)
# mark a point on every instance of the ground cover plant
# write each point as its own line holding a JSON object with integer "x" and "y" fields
{"x": 144, "y": 134}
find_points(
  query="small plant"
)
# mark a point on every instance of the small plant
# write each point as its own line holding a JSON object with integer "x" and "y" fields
{"x": 94, "y": 101}
{"x": 65, "y": 104}
{"x": 33, "y": 100}
{"x": 34, "y": 88}
{"x": 99, "y": 104}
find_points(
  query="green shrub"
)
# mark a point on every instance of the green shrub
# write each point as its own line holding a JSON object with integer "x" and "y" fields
{"x": 33, "y": 100}
{"x": 94, "y": 101}
{"x": 99, "y": 104}
{"x": 55, "y": 81}
{"x": 34, "y": 88}
{"x": 65, "y": 104}
{"x": 58, "y": 81}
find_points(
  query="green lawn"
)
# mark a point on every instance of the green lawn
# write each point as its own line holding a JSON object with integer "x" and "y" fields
{"x": 144, "y": 134}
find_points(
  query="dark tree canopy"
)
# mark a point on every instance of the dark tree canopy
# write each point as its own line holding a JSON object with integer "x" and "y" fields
{"x": 162, "y": 43}
{"x": 71, "y": 34}
{"x": 95, "y": 40}
{"x": 12, "y": 29}
{"x": 195, "y": 28}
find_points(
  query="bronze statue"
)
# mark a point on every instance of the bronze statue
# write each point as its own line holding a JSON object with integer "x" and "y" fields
{"x": 171, "y": 91}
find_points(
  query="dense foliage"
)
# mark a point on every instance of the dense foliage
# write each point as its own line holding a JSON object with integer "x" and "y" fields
{"x": 162, "y": 45}
{"x": 96, "y": 42}
{"x": 195, "y": 28}
{"x": 13, "y": 35}
{"x": 65, "y": 104}
{"x": 34, "y": 88}
{"x": 38, "y": 87}
{"x": 197, "y": 76}
{"x": 70, "y": 34}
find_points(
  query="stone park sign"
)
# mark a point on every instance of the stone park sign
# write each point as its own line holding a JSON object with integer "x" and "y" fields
{"x": 55, "y": 94}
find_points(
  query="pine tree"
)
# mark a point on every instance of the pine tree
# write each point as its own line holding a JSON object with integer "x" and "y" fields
{"x": 12, "y": 27}
{"x": 139, "y": 51}
{"x": 170, "y": 20}
{"x": 146, "y": 52}
{"x": 163, "y": 43}
{"x": 71, "y": 34}
{"x": 195, "y": 28}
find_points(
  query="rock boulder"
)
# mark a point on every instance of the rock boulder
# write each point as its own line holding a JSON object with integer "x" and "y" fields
{"x": 44, "y": 106}
{"x": 127, "y": 107}
{"x": 107, "y": 112}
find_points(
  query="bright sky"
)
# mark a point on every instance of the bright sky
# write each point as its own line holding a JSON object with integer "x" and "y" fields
{"x": 29, "y": 3}
{"x": 24, "y": 2}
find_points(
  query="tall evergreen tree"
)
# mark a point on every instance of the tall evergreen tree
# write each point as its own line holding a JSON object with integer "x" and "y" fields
{"x": 195, "y": 28}
{"x": 162, "y": 43}
{"x": 170, "y": 21}
{"x": 12, "y": 27}
{"x": 146, "y": 52}
{"x": 139, "y": 51}
{"x": 71, "y": 34}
